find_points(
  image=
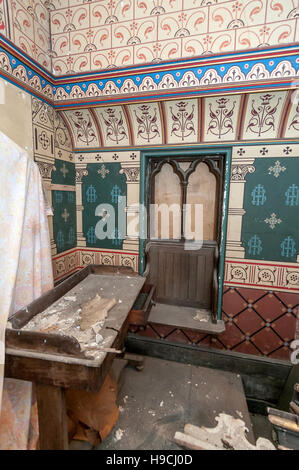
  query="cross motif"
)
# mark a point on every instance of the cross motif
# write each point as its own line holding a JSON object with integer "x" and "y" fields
{"x": 44, "y": 140}
{"x": 287, "y": 150}
{"x": 276, "y": 169}
{"x": 273, "y": 221}
{"x": 264, "y": 151}
{"x": 65, "y": 215}
{"x": 103, "y": 172}
{"x": 64, "y": 170}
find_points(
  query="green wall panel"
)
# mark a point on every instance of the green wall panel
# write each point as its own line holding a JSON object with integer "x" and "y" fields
{"x": 270, "y": 228}
{"x": 65, "y": 173}
{"x": 103, "y": 186}
{"x": 64, "y": 221}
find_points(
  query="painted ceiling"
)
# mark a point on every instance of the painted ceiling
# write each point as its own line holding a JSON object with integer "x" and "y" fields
{"x": 101, "y": 34}
{"x": 241, "y": 117}
{"x": 79, "y": 36}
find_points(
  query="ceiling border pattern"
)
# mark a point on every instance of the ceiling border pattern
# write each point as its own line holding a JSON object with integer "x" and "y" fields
{"x": 230, "y": 73}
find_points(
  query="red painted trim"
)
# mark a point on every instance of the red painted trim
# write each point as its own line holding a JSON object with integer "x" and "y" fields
{"x": 108, "y": 251}
{"x": 66, "y": 253}
{"x": 262, "y": 286}
{"x": 252, "y": 263}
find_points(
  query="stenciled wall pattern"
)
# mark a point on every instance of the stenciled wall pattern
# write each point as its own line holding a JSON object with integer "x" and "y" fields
{"x": 53, "y": 154}
{"x": 107, "y": 187}
{"x": 261, "y": 279}
{"x": 26, "y": 23}
{"x": 271, "y": 203}
{"x": 102, "y": 34}
{"x": 237, "y": 117}
{"x": 102, "y": 191}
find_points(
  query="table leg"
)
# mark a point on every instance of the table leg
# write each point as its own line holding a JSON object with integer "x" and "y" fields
{"x": 52, "y": 417}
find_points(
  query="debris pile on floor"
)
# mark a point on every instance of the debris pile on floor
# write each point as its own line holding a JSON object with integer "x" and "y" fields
{"x": 229, "y": 434}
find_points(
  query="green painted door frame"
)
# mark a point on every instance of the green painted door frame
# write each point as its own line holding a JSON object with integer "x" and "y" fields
{"x": 189, "y": 151}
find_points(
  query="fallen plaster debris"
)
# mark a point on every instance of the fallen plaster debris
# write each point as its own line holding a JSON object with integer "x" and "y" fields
{"x": 118, "y": 435}
{"x": 202, "y": 316}
{"x": 61, "y": 320}
{"x": 229, "y": 434}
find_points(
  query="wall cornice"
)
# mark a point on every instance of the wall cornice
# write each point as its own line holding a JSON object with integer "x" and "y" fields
{"x": 254, "y": 70}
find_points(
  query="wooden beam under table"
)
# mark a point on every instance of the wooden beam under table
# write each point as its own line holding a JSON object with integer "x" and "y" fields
{"x": 52, "y": 418}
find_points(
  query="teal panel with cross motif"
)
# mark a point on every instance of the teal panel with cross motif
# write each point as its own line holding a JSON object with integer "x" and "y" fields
{"x": 270, "y": 228}
{"x": 64, "y": 173}
{"x": 104, "y": 186}
{"x": 64, "y": 220}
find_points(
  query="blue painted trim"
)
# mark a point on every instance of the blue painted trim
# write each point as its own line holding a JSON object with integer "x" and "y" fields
{"x": 221, "y": 63}
{"x": 228, "y": 163}
{"x": 175, "y": 147}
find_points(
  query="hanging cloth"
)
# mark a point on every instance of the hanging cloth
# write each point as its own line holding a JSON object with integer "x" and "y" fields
{"x": 26, "y": 267}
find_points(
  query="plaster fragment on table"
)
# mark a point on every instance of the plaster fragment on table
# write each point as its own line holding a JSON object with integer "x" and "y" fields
{"x": 99, "y": 339}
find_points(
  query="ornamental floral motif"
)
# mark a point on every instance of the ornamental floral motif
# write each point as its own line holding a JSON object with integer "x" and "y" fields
{"x": 273, "y": 221}
{"x": 103, "y": 172}
{"x": 62, "y": 137}
{"x": 276, "y": 169}
{"x": 263, "y": 115}
{"x": 183, "y": 124}
{"x": 147, "y": 123}
{"x": 115, "y": 129}
{"x": 295, "y": 121}
{"x": 84, "y": 129}
{"x": 221, "y": 119}
{"x": 80, "y": 172}
{"x": 239, "y": 172}
{"x": 46, "y": 169}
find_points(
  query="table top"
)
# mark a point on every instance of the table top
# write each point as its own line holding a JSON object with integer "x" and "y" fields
{"x": 123, "y": 287}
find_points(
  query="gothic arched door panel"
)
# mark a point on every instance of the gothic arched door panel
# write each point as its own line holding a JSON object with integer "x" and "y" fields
{"x": 185, "y": 207}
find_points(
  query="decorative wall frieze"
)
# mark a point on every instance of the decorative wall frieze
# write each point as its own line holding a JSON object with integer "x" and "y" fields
{"x": 262, "y": 275}
{"x": 65, "y": 264}
{"x": 271, "y": 67}
{"x": 187, "y": 121}
{"x": 107, "y": 257}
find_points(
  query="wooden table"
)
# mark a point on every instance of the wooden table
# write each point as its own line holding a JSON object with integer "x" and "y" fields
{"x": 55, "y": 362}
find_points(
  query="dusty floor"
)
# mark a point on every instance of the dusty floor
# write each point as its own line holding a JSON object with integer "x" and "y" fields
{"x": 160, "y": 400}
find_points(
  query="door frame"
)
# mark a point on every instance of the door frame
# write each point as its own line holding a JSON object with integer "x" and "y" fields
{"x": 196, "y": 150}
